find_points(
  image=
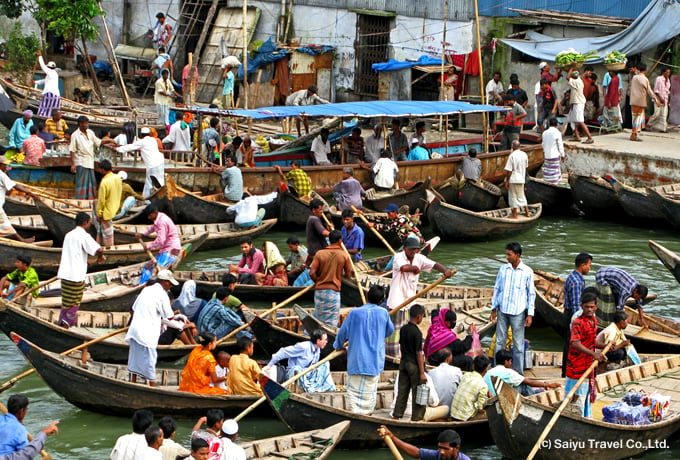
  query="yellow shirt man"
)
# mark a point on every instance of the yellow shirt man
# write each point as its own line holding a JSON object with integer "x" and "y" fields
{"x": 243, "y": 375}
{"x": 110, "y": 191}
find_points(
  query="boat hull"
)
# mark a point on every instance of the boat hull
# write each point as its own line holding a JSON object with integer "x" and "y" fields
{"x": 670, "y": 207}
{"x": 555, "y": 198}
{"x": 413, "y": 197}
{"x": 638, "y": 205}
{"x": 670, "y": 259}
{"x": 595, "y": 197}
{"x": 472, "y": 195}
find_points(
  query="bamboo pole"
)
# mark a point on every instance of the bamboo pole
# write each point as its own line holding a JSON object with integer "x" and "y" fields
{"x": 425, "y": 290}
{"x": 442, "y": 86}
{"x": 376, "y": 232}
{"x": 481, "y": 77}
{"x": 28, "y": 291}
{"x": 245, "y": 55}
{"x": 114, "y": 60}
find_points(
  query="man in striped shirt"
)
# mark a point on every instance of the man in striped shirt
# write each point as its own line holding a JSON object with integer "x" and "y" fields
{"x": 513, "y": 303}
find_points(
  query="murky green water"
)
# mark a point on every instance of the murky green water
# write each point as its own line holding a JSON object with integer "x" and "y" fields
{"x": 550, "y": 246}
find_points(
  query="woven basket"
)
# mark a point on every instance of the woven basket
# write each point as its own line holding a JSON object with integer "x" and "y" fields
{"x": 615, "y": 65}
{"x": 577, "y": 66}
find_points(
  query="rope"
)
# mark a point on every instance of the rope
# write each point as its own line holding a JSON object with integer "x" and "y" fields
{"x": 321, "y": 446}
{"x": 620, "y": 389}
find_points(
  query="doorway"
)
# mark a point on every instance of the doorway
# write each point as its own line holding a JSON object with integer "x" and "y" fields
{"x": 373, "y": 36}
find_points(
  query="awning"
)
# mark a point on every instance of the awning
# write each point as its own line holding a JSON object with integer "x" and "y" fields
{"x": 659, "y": 22}
{"x": 368, "y": 109}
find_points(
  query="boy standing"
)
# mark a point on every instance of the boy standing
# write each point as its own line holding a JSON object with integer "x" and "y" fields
{"x": 412, "y": 366}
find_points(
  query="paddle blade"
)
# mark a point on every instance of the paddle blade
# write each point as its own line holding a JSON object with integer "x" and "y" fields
{"x": 276, "y": 393}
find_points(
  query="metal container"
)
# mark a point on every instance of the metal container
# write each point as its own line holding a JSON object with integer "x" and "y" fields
{"x": 422, "y": 394}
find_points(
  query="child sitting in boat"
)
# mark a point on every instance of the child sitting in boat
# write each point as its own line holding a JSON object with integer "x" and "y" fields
{"x": 199, "y": 371}
{"x": 222, "y": 368}
{"x": 244, "y": 372}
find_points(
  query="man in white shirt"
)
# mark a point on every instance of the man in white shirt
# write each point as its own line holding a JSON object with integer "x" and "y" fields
{"x": 374, "y": 145}
{"x": 128, "y": 445}
{"x": 307, "y": 96}
{"x": 7, "y": 184}
{"x": 51, "y": 95}
{"x": 180, "y": 134}
{"x": 78, "y": 244}
{"x": 154, "y": 439}
{"x": 321, "y": 148}
{"x": 150, "y": 308}
{"x": 515, "y": 172}
{"x": 553, "y": 152}
{"x": 445, "y": 377}
{"x": 231, "y": 450}
{"x": 153, "y": 159}
{"x": 83, "y": 143}
{"x": 247, "y": 213}
{"x": 384, "y": 171}
{"x": 494, "y": 90}
{"x": 577, "y": 99}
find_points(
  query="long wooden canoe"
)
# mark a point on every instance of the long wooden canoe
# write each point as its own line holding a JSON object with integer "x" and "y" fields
{"x": 468, "y": 194}
{"x": 295, "y": 210}
{"x": 670, "y": 259}
{"x": 555, "y": 198}
{"x": 595, "y": 196}
{"x": 667, "y": 199}
{"x": 46, "y": 259}
{"x": 516, "y": 421}
{"x": 455, "y": 223}
{"x": 314, "y": 444}
{"x": 413, "y": 197}
{"x": 370, "y": 239}
{"x": 550, "y": 306}
{"x": 637, "y": 204}
{"x": 31, "y": 225}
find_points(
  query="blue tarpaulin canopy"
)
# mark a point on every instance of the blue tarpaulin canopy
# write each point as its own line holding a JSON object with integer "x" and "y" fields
{"x": 393, "y": 64}
{"x": 368, "y": 109}
{"x": 659, "y": 22}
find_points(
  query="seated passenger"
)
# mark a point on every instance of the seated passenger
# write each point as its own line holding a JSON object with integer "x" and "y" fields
{"x": 199, "y": 371}
{"x": 274, "y": 267}
{"x": 505, "y": 372}
{"x": 244, "y": 373}
{"x": 217, "y": 317}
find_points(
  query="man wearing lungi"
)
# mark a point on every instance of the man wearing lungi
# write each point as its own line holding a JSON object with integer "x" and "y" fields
{"x": 330, "y": 264}
{"x": 515, "y": 176}
{"x": 78, "y": 244}
{"x": 407, "y": 266}
{"x": 639, "y": 90}
{"x": 615, "y": 286}
{"x": 108, "y": 202}
{"x": 7, "y": 184}
{"x": 83, "y": 143}
{"x": 150, "y": 308}
{"x": 153, "y": 159}
{"x": 582, "y": 352}
{"x": 365, "y": 328}
{"x": 51, "y": 95}
{"x": 553, "y": 152}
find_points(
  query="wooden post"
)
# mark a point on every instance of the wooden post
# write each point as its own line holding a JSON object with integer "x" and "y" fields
{"x": 442, "y": 87}
{"x": 245, "y": 55}
{"x": 114, "y": 60}
{"x": 192, "y": 89}
{"x": 481, "y": 78}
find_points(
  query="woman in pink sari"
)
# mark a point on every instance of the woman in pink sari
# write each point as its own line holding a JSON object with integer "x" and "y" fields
{"x": 440, "y": 333}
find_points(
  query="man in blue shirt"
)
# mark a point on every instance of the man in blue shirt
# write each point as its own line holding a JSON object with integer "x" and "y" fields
{"x": 21, "y": 129}
{"x": 513, "y": 303}
{"x": 352, "y": 235}
{"x": 417, "y": 152}
{"x": 448, "y": 446}
{"x": 573, "y": 289}
{"x": 232, "y": 180}
{"x": 365, "y": 328}
{"x": 13, "y": 434}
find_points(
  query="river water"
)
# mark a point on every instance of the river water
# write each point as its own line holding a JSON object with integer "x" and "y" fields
{"x": 550, "y": 246}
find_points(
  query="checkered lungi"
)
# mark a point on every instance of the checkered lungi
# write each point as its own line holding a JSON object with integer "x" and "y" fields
{"x": 5, "y": 224}
{"x": 86, "y": 185}
{"x": 392, "y": 342}
{"x": 327, "y": 306}
{"x": 50, "y": 101}
{"x": 361, "y": 393}
{"x": 105, "y": 233}
{"x": 606, "y": 305}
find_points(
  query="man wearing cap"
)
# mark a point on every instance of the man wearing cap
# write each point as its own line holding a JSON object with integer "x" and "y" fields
{"x": 83, "y": 143}
{"x": 162, "y": 32}
{"x": 7, "y": 184}
{"x": 20, "y": 280}
{"x": 395, "y": 222}
{"x": 406, "y": 268}
{"x": 150, "y": 308}
{"x": 448, "y": 446}
{"x": 153, "y": 159}
{"x": 78, "y": 244}
{"x": 374, "y": 145}
{"x": 51, "y": 96}
{"x": 128, "y": 196}
{"x": 417, "y": 152}
{"x": 108, "y": 202}
{"x": 231, "y": 450}
{"x": 348, "y": 192}
{"x": 21, "y": 129}
{"x": 307, "y": 96}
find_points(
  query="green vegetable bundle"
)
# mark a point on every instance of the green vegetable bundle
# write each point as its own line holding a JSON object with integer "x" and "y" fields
{"x": 615, "y": 57}
{"x": 571, "y": 56}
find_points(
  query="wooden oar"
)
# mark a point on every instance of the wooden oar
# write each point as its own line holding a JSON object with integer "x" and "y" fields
{"x": 29, "y": 436}
{"x": 376, "y": 232}
{"x": 44, "y": 283}
{"x": 250, "y": 408}
{"x": 354, "y": 268}
{"x": 564, "y": 404}
{"x": 150, "y": 254}
{"x": 425, "y": 290}
{"x": 390, "y": 445}
{"x": 663, "y": 326}
{"x": 13, "y": 380}
{"x": 267, "y": 312}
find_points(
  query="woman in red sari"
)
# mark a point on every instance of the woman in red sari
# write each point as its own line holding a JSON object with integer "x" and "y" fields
{"x": 199, "y": 370}
{"x": 440, "y": 333}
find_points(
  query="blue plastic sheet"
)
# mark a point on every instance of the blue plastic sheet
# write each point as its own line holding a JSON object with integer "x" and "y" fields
{"x": 266, "y": 54}
{"x": 393, "y": 64}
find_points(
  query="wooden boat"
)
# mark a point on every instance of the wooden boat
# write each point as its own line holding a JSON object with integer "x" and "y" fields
{"x": 185, "y": 207}
{"x": 19, "y": 204}
{"x": 555, "y": 198}
{"x": 219, "y": 235}
{"x": 413, "y": 197}
{"x": 109, "y": 290}
{"x": 106, "y": 388}
{"x": 595, "y": 196}
{"x": 550, "y": 306}
{"x": 637, "y": 203}
{"x": 295, "y": 210}
{"x": 46, "y": 259}
{"x": 670, "y": 259}
{"x": 38, "y": 325}
{"x": 369, "y": 237}
{"x": 667, "y": 199}
{"x": 516, "y": 421}
{"x": 31, "y": 225}
{"x": 317, "y": 444}
{"x": 468, "y": 194}
{"x": 453, "y": 222}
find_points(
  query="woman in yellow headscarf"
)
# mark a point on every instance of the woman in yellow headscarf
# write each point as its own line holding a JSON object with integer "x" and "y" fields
{"x": 199, "y": 370}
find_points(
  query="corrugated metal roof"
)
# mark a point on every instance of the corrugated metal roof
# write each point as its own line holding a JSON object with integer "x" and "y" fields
{"x": 616, "y": 8}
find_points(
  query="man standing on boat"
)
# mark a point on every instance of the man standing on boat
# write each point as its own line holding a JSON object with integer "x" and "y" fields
{"x": 582, "y": 352}
{"x": 150, "y": 308}
{"x": 316, "y": 230}
{"x": 515, "y": 176}
{"x": 328, "y": 267}
{"x": 397, "y": 142}
{"x": 7, "y": 184}
{"x": 573, "y": 290}
{"x": 406, "y": 268}
{"x": 153, "y": 159}
{"x": 615, "y": 286}
{"x": 167, "y": 240}
{"x": 365, "y": 328}
{"x": 513, "y": 303}
{"x": 352, "y": 235}
{"x": 553, "y": 152}
{"x": 78, "y": 244}
{"x": 108, "y": 202}
{"x": 83, "y": 143}
{"x": 51, "y": 95}
{"x": 307, "y": 96}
